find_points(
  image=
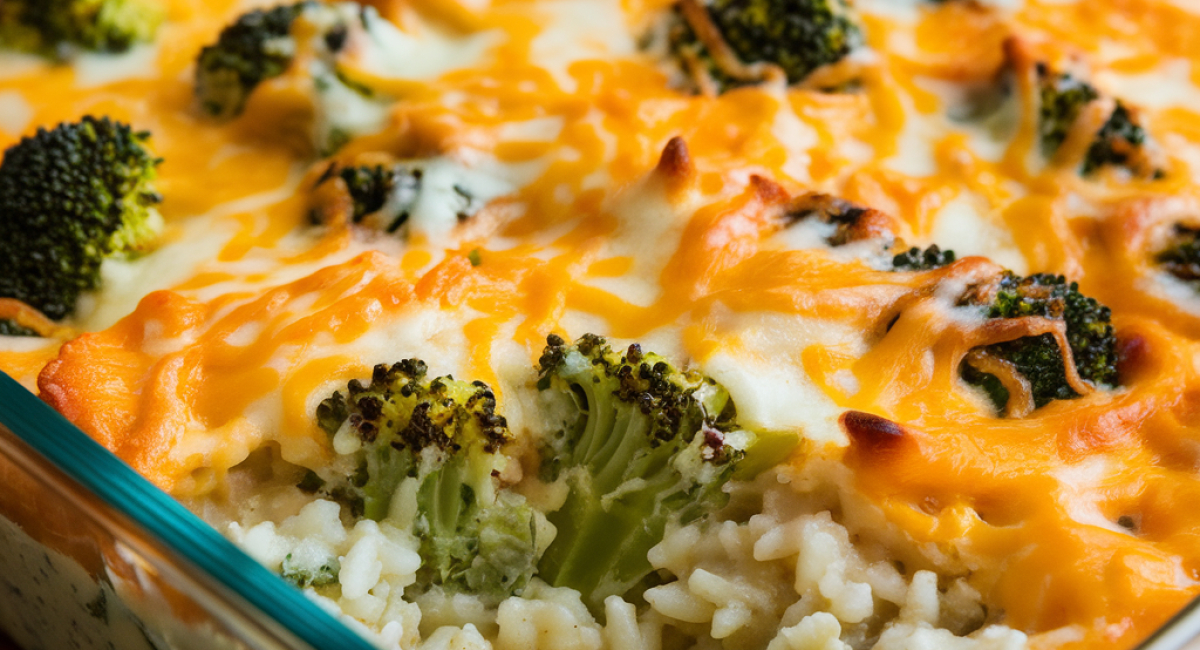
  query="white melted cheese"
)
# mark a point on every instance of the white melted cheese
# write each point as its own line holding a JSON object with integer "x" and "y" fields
{"x": 421, "y": 52}
{"x": 649, "y": 223}
{"x": 960, "y": 226}
{"x": 1171, "y": 84}
{"x": 15, "y": 112}
{"x": 445, "y": 188}
{"x": 96, "y": 69}
{"x": 760, "y": 367}
{"x": 579, "y": 30}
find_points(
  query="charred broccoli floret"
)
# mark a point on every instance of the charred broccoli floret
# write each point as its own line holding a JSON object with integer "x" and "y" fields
{"x": 850, "y": 222}
{"x": 381, "y": 196}
{"x": 72, "y": 197}
{"x": 1039, "y": 359}
{"x": 915, "y": 259}
{"x": 639, "y": 444}
{"x": 1062, "y": 99}
{"x": 797, "y": 35}
{"x": 55, "y": 27}
{"x": 431, "y": 196}
{"x": 264, "y": 44}
{"x": 428, "y": 454}
{"x": 1181, "y": 257}
{"x": 1118, "y": 142}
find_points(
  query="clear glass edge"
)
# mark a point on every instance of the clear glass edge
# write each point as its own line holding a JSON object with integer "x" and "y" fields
{"x": 179, "y": 532}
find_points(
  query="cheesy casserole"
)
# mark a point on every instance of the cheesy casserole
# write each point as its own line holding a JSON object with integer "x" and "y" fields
{"x": 902, "y": 296}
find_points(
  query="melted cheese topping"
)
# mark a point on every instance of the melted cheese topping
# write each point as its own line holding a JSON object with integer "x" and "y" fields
{"x": 225, "y": 339}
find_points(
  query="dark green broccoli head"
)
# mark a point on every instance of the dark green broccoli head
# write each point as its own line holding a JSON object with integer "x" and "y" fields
{"x": 443, "y": 439}
{"x": 1120, "y": 141}
{"x": 640, "y": 444}
{"x": 1181, "y": 257}
{"x": 1038, "y": 358}
{"x": 915, "y": 259}
{"x": 1062, "y": 100}
{"x": 9, "y": 327}
{"x": 372, "y": 188}
{"x": 256, "y": 47}
{"x": 55, "y": 27}
{"x": 385, "y": 197}
{"x": 1116, "y": 143}
{"x": 304, "y": 571}
{"x": 263, "y": 44}
{"x": 72, "y": 197}
{"x": 797, "y": 35}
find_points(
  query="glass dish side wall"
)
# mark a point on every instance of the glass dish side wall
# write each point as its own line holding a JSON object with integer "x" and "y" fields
{"x": 93, "y": 556}
{"x": 73, "y": 576}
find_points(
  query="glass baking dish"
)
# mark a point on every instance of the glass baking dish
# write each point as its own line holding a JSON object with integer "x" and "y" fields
{"x": 92, "y": 556}
{"x": 90, "y": 550}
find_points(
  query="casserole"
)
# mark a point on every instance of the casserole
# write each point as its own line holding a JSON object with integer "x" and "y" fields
{"x": 367, "y": 316}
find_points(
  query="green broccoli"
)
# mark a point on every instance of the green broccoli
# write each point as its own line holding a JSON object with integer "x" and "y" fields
{"x": 1038, "y": 358}
{"x": 386, "y": 197}
{"x": 1062, "y": 100}
{"x": 1119, "y": 142}
{"x": 429, "y": 456}
{"x": 797, "y": 35}
{"x": 261, "y": 45}
{"x": 1181, "y": 257}
{"x": 256, "y": 47}
{"x": 72, "y": 197}
{"x": 10, "y": 327}
{"x": 371, "y": 189}
{"x": 56, "y": 27}
{"x": 304, "y": 571}
{"x": 1116, "y": 143}
{"x": 640, "y": 444}
{"x": 915, "y": 259}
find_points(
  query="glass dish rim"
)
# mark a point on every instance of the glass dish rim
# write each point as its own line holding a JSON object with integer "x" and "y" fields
{"x": 180, "y": 534}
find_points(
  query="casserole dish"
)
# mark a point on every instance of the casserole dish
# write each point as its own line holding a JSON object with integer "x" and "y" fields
{"x": 946, "y": 277}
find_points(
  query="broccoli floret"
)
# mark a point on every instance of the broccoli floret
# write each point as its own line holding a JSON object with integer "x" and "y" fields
{"x": 1181, "y": 257}
{"x": 641, "y": 444}
{"x": 1118, "y": 142}
{"x": 915, "y": 259}
{"x": 316, "y": 571}
{"x": 1038, "y": 359}
{"x": 72, "y": 197}
{"x": 429, "y": 456}
{"x": 381, "y": 195}
{"x": 1062, "y": 99}
{"x": 9, "y": 327}
{"x": 851, "y": 222}
{"x": 797, "y": 35}
{"x": 256, "y": 47}
{"x": 386, "y": 197}
{"x": 262, "y": 44}
{"x": 55, "y": 27}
